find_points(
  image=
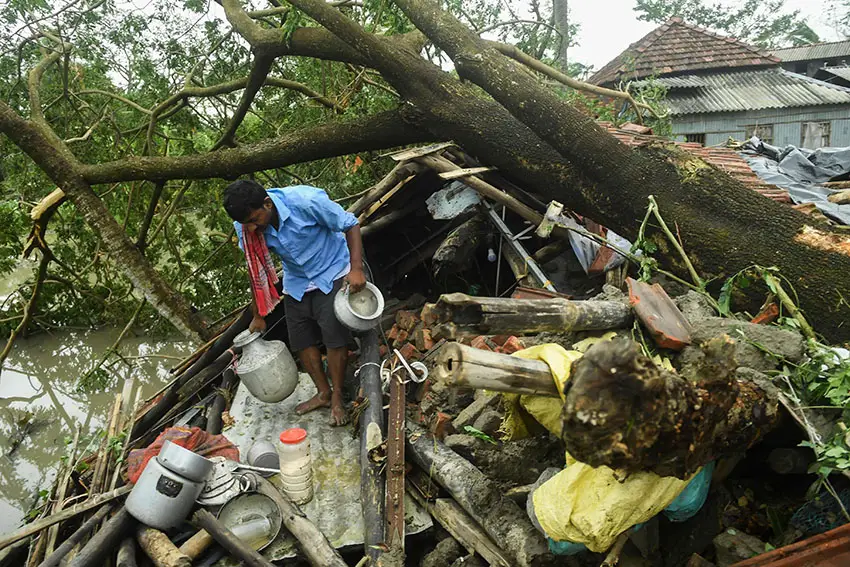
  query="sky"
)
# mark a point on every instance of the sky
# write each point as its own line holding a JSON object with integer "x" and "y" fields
{"x": 609, "y": 26}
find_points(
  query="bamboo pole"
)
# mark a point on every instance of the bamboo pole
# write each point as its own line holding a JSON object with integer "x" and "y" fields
{"x": 235, "y": 546}
{"x": 56, "y": 557}
{"x": 67, "y": 513}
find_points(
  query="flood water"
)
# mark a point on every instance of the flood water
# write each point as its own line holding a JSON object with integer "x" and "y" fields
{"x": 41, "y": 404}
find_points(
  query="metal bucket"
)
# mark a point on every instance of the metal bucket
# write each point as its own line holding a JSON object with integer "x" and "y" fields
{"x": 359, "y": 311}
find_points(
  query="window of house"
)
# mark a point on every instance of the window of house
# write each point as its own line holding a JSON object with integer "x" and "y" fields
{"x": 815, "y": 135}
{"x": 695, "y": 138}
{"x": 763, "y": 131}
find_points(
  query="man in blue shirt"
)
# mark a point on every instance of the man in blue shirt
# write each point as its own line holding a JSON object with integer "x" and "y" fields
{"x": 320, "y": 247}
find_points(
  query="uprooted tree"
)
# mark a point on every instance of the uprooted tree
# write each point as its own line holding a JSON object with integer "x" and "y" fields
{"x": 104, "y": 139}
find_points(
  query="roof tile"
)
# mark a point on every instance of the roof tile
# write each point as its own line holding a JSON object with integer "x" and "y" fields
{"x": 677, "y": 47}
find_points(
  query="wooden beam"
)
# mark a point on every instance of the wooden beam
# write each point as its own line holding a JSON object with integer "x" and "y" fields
{"x": 457, "y": 314}
{"x": 465, "y": 172}
{"x": 372, "y": 487}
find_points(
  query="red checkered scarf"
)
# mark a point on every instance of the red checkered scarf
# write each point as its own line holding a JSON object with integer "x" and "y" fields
{"x": 261, "y": 272}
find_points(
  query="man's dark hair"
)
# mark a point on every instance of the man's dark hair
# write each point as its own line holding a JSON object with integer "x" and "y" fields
{"x": 243, "y": 197}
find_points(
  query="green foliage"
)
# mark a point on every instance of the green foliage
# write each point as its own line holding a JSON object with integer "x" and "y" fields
{"x": 764, "y": 23}
{"x": 477, "y": 433}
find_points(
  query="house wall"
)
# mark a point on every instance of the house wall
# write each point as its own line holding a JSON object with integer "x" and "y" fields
{"x": 810, "y": 68}
{"x": 787, "y": 124}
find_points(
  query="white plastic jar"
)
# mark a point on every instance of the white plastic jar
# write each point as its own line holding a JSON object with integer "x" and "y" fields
{"x": 296, "y": 467}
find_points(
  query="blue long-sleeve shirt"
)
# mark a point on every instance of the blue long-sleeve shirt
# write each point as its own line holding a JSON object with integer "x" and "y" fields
{"x": 309, "y": 238}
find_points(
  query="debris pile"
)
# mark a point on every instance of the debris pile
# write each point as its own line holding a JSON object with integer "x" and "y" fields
{"x": 537, "y": 389}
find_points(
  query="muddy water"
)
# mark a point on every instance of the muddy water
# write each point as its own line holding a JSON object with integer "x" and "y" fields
{"x": 41, "y": 405}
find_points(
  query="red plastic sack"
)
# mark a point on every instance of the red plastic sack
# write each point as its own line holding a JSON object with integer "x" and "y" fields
{"x": 194, "y": 439}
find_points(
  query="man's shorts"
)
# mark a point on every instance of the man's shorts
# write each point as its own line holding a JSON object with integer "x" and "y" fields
{"x": 312, "y": 321}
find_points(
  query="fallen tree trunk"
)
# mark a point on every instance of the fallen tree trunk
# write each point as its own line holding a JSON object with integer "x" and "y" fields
{"x": 457, "y": 314}
{"x": 500, "y": 517}
{"x": 725, "y": 226}
{"x": 624, "y": 412}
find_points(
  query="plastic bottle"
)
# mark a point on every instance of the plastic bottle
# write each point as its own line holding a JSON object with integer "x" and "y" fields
{"x": 296, "y": 467}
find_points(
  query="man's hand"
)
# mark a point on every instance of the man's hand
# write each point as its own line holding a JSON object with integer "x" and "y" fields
{"x": 356, "y": 279}
{"x": 258, "y": 324}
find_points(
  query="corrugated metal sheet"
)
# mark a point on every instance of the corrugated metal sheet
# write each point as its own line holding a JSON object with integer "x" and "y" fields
{"x": 816, "y": 51}
{"x": 335, "y": 508}
{"x": 751, "y": 90}
{"x": 843, "y": 71}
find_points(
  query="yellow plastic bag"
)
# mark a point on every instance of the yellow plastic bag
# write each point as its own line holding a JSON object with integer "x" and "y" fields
{"x": 583, "y": 504}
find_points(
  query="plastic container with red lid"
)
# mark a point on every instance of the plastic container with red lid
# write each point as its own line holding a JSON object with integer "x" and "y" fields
{"x": 296, "y": 468}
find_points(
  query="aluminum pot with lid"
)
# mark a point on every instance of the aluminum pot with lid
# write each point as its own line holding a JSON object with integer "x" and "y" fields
{"x": 184, "y": 462}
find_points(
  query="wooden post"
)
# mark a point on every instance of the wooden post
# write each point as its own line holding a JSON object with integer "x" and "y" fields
{"x": 371, "y": 436}
{"x": 105, "y": 541}
{"x": 503, "y": 520}
{"x": 214, "y": 423}
{"x": 399, "y": 172}
{"x": 55, "y": 558}
{"x": 457, "y": 314}
{"x": 235, "y": 546}
{"x": 196, "y": 545}
{"x": 160, "y": 549}
{"x": 462, "y": 366}
{"x": 314, "y": 544}
{"x": 624, "y": 412}
{"x": 394, "y": 507}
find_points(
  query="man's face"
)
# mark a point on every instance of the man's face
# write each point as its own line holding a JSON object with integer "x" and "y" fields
{"x": 260, "y": 218}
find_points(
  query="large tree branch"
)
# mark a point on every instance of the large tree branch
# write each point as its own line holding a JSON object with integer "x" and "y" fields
{"x": 64, "y": 170}
{"x": 380, "y": 131}
{"x": 259, "y": 73}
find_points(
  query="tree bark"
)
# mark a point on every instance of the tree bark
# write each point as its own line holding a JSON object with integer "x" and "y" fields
{"x": 623, "y": 412}
{"x": 457, "y": 314}
{"x": 724, "y": 225}
{"x": 456, "y": 250}
{"x": 501, "y": 518}
{"x": 160, "y": 549}
{"x": 64, "y": 170}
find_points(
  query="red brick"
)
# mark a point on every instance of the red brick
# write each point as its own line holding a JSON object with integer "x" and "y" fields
{"x": 409, "y": 352}
{"x": 401, "y": 338}
{"x": 441, "y": 425}
{"x": 427, "y": 314}
{"x": 767, "y": 315}
{"x": 500, "y": 339}
{"x": 512, "y": 345}
{"x": 383, "y": 350}
{"x": 391, "y": 336}
{"x": 406, "y": 320}
{"x": 659, "y": 315}
{"x": 423, "y": 340}
{"x": 480, "y": 342}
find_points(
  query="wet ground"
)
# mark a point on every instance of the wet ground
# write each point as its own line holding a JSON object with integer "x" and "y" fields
{"x": 42, "y": 403}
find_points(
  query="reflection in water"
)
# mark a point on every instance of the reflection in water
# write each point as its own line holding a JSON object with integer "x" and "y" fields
{"x": 41, "y": 405}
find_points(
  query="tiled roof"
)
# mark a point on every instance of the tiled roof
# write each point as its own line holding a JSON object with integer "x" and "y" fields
{"x": 814, "y": 51}
{"x": 843, "y": 71}
{"x": 723, "y": 158}
{"x": 748, "y": 90}
{"x": 677, "y": 47}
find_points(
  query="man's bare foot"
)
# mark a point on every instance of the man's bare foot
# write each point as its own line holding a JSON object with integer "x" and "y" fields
{"x": 338, "y": 414}
{"x": 320, "y": 400}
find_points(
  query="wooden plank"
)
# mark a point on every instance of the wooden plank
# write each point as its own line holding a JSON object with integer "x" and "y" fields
{"x": 465, "y": 172}
{"x": 380, "y": 202}
{"x": 405, "y": 155}
{"x": 394, "y": 507}
{"x": 463, "y": 528}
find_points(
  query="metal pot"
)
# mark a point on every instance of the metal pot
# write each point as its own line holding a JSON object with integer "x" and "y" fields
{"x": 250, "y": 507}
{"x": 359, "y": 311}
{"x": 163, "y": 498}
{"x": 184, "y": 462}
{"x": 265, "y": 367}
